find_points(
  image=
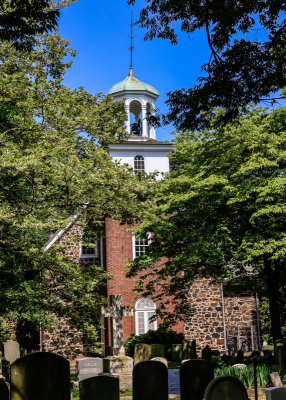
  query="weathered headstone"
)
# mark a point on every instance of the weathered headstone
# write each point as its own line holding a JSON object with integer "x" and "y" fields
{"x": 99, "y": 388}
{"x": 121, "y": 367}
{"x": 157, "y": 350}
{"x": 145, "y": 352}
{"x": 177, "y": 352}
{"x": 174, "y": 381}
{"x": 280, "y": 353}
{"x": 195, "y": 375}
{"x": 88, "y": 367}
{"x": 11, "y": 350}
{"x": 225, "y": 387}
{"x": 150, "y": 381}
{"x": 40, "y": 376}
{"x": 116, "y": 311}
{"x": 275, "y": 379}
{"x": 4, "y": 392}
{"x": 239, "y": 366}
{"x": 207, "y": 353}
{"x": 161, "y": 359}
{"x": 276, "y": 393}
{"x": 189, "y": 349}
{"x": 142, "y": 352}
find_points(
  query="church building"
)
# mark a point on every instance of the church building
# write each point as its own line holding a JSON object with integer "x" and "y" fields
{"x": 220, "y": 315}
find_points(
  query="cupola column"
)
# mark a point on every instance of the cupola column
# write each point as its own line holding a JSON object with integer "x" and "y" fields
{"x": 144, "y": 121}
{"x": 127, "y": 123}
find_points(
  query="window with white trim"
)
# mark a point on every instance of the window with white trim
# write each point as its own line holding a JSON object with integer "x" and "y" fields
{"x": 145, "y": 308}
{"x": 88, "y": 246}
{"x": 139, "y": 164}
{"x": 140, "y": 245}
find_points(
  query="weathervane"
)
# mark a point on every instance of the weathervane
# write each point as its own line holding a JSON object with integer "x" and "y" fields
{"x": 131, "y": 38}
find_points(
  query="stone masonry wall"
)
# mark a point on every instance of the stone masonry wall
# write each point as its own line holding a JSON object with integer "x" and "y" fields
{"x": 206, "y": 325}
{"x": 66, "y": 340}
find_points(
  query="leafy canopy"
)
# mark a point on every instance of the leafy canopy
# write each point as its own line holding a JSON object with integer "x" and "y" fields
{"x": 247, "y": 42}
{"x": 221, "y": 211}
{"x": 54, "y": 159}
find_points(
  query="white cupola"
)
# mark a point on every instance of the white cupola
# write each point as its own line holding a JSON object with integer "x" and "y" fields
{"x": 139, "y": 99}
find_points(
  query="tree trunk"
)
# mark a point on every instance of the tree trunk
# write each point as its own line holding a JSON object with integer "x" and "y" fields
{"x": 272, "y": 271}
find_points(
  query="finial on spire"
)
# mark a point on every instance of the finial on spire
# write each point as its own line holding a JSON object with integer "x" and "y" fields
{"x": 131, "y": 47}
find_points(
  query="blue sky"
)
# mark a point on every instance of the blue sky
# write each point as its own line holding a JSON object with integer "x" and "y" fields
{"x": 99, "y": 31}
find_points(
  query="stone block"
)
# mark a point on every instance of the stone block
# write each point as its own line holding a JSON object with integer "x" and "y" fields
{"x": 150, "y": 381}
{"x": 142, "y": 352}
{"x": 4, "y": 392}
{"x": 225, "y": 387}
{"x": 121, "y": 367}
{"x": 177, "y": 352}
{"x": 278, "y": 393}
{"x": 161, "y": 359}
{"x": 11, "y": 350}
{"x": 195, "y": 375}
{"x": 99, "y": 388}
{"x": 88, "y": 367}
{"x": 42, "y": 376}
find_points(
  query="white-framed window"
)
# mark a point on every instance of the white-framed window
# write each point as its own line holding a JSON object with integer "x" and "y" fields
{"x": 139, "y": 164}
{"x": 139, "y": 245}
{"x": 145, "y": 308}
{"x": 88, "y": 246}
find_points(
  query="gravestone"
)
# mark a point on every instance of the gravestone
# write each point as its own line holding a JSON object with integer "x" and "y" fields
{"x": 207, "y": 353}
{"x": 239, "y": 357}
{"x": 122, "y": 368}
{"x": 88, "y": 367}
{"x": 280, "y": 353}
{"x": 177, "y": 352}
{"x": 239, "y": 366}
{"x": 150, "y": 381}
{"x": 40, "y": 376}
{"x": 161, "y": 359}
{"x": 4, "y": 392}
{"x": 116, "y": 311}
{"x": 144, "y": 352}
{"x": 11, "y": 350}
{"x": 99, "y": 388}
{"x": 195, "y": 375}
{"x": 225, "y": 387}
{"x": 275, "y": 379}
{"x": 174, "y": 381}
{"x": 276, "y": 393}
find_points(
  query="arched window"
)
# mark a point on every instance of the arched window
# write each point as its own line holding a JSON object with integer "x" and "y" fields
{"x": 139, "y": 164}
{"x": 144, "y": 309}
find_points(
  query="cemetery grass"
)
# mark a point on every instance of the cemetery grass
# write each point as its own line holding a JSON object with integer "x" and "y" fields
{"x": 75, "y": 394}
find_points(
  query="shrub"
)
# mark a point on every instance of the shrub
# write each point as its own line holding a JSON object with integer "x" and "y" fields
{"x": 160, "y": 336}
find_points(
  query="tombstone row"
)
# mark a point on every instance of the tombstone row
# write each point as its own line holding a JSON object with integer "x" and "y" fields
{"x": 46, "y": 376}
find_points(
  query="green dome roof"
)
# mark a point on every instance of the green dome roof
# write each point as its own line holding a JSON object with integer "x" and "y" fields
{"x": 132, "y": 84}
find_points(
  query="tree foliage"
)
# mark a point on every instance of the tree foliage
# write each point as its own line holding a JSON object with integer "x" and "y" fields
{"x": 54, "y": 159}
{"x": 221, "y": 212}
{"x": 247, "y": 63}
{"x": 21, "y": 20}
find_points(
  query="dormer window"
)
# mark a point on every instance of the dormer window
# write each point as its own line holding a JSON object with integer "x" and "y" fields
{"x": 139, "y": 164}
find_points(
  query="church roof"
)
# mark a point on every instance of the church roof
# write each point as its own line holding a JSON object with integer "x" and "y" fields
{"x": 132, "y": 84}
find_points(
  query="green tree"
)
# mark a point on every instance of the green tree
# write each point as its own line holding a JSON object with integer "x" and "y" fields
{"x": 247, "y": 63}
{"x": 21, "y": 21}
{"x": 221, "y": 211}
{"x": 54, "y": 160}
